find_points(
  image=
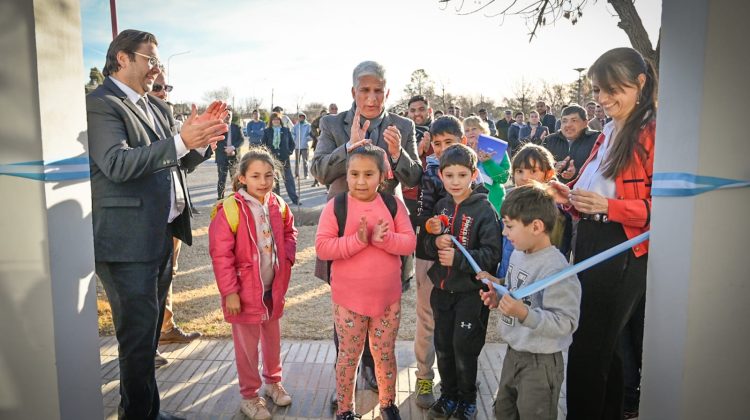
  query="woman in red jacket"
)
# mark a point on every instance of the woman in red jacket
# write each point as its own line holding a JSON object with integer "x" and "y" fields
{"x": 252, "y": 245}
{"x": 612, "y": 199}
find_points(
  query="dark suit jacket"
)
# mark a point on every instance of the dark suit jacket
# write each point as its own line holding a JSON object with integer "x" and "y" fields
{"x": 237, "y": 140}
{"x": 286, "y": 146}
{"x": 329, "y": 162}
{"x": 131, "y": 177}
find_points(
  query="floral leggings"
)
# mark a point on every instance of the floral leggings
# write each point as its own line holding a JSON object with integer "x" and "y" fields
{"x": 351, "y": 328}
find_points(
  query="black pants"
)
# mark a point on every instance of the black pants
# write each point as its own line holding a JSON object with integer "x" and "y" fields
{"x": 631, "y": 348}
{"x": 611, "y": 292}
{"x": 228, "y": 167}
{"x": 460, "y": 330}
{"x": 137, "y": 292}
{"x": 300, "y": 156}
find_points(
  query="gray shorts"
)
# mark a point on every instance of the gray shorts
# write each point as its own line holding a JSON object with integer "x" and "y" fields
{"x": 529, "y": 386}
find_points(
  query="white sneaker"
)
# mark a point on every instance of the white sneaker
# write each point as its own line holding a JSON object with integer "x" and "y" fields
{"x": 278, "y": 394}
{"x": 255, "y": 409}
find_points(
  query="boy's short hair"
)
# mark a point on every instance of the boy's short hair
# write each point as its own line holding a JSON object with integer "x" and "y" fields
{"x": 447, "y": 124}
{"x": 458, "y": 154}
{"x": 531, "y": 202}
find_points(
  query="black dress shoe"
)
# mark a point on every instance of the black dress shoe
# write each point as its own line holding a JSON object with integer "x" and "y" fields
{"x": 368, "y": 376}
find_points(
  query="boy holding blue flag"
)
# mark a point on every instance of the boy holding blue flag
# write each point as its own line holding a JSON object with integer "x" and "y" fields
{"x": 539, "y": 327}
{"x": 459, "y": 314}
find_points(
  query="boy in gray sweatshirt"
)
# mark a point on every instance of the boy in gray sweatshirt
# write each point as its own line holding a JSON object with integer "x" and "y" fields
{"x": 539, "y": 327}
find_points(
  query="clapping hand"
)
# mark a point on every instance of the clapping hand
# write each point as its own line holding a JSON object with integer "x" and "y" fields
{"x": 392, "y": 137}
{"x": 357, "y": 135}
{"x": 566, "y": 168}
{"x": 424, "y": 144}
{"x": 204, "y": 129}
{"x": 362, "y": 230}
{"x": 380, "y": 230}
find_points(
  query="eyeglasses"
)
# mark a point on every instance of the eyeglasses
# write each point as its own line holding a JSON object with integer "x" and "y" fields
{"x": 157, "y": 88}
{"x": 152, "y": 61}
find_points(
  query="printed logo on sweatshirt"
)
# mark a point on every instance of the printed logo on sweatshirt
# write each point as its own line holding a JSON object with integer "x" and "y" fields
{"x": 463, "y": 232}
{"x": 516, "y": 280}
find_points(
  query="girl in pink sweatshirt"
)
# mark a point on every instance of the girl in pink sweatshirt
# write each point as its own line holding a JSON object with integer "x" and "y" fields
{"x": 366, "y": 277}
{"x": 252, "y": 268}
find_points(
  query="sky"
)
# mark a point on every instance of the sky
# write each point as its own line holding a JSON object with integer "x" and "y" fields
{"x": 305, "y": 50}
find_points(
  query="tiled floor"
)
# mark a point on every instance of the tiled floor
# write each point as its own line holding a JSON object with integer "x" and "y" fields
{"x": 200, "y": 382}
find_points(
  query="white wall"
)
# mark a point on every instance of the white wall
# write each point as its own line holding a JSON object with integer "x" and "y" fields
{"x": 49, "y": 360}
{"x": 697, "y": 310}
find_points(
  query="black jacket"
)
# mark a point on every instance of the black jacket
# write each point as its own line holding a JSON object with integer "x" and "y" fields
{"x": 237, "y": 140}
{"x": 286, "y": 146}
{"x": 579, "y": 150}
{"x": 475, "y": 224}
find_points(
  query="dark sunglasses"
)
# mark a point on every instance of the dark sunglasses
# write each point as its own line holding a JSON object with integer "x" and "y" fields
{"x": 157, "y": 88}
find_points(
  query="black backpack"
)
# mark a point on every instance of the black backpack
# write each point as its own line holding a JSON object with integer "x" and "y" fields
{"x": 340, "y": 210}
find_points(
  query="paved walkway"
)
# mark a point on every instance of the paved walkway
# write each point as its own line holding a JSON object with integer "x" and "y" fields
{"x": 200, "y": 382}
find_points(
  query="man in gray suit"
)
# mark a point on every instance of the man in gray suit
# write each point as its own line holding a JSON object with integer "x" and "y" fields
{"x": 366, "y": 122}
{"x": 139, "y": 203}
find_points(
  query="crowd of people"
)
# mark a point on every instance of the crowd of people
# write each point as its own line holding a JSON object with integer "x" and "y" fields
{"x": 408, "y": 197}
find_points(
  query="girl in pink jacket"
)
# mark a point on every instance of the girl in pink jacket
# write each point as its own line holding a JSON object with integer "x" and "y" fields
{"x": 366, "y": 277}
{"x": 252, "y": 269}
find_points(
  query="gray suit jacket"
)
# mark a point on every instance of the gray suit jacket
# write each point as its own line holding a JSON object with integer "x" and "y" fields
{"x": 329, "y": 162}
{"x": 131, "y": 177}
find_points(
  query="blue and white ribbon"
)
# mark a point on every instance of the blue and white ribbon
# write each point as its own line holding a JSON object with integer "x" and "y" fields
{"x": 683, "y": 184}
{"x": 70, "y": 169}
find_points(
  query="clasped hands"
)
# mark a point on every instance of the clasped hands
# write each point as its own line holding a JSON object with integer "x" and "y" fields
{"x": 207, "y": 128}
{"x": 379, "y": 232}
{"x": 357, "y": 137}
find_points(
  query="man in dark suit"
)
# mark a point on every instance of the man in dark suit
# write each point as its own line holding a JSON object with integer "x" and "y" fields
{"x": 139, "y": 203}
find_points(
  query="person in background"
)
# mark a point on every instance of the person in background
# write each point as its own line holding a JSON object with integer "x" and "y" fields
{"x": 534, "y": 131}
{"x": 255, "y": 128}
{"x": 227, "y": 151}
{"x": 301, "y": 136}
{"x": 572, "y": 145}
{"x": 545, "y": 117}
{"x": 333, "y": 109}
{"x": 600, "y": 119}
{"x": 590, "y": 110}
{"x": 504, "y": 124}
{"x": 514, "y": 141}
{"x": 490, "y": 123}
{"x": 278, "y": 139}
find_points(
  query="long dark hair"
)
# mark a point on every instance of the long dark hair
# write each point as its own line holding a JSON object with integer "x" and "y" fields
{"x": 256, "y": 153}
{"x": 615, "y": 69}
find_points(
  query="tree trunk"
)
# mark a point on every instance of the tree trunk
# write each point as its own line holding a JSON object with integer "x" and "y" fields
{"x": 631, "y": 23}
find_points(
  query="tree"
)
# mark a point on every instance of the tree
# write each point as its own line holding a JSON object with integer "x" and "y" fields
{"x": 557, "y": 96}
{"x": 221, "y": 94}
{"x": 420, "y": 84}
{"x": 252, "y": 103}
{"x": 312, "y": 110}
{"x": 538, "y": 13}
{"x": 524, "y": 97}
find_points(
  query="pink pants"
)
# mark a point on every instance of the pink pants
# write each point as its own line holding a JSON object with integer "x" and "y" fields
{"x": 246, "y": 337}
{"x": 352, "y": 328}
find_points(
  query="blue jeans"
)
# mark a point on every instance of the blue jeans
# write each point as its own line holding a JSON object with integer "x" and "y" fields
{"x": 137, "y": 292}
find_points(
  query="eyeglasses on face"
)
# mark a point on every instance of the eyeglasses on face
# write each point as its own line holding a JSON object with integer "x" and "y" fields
{"x": 152, "y": 61}
{"x": 157, "y": 88}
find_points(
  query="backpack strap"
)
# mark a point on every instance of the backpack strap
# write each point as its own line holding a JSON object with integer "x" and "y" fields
{"x": 340, "y": 210}
{"x": 283, "y": 207}
{"x": 390, "y": 203}
{"x": 231, "y": 211}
